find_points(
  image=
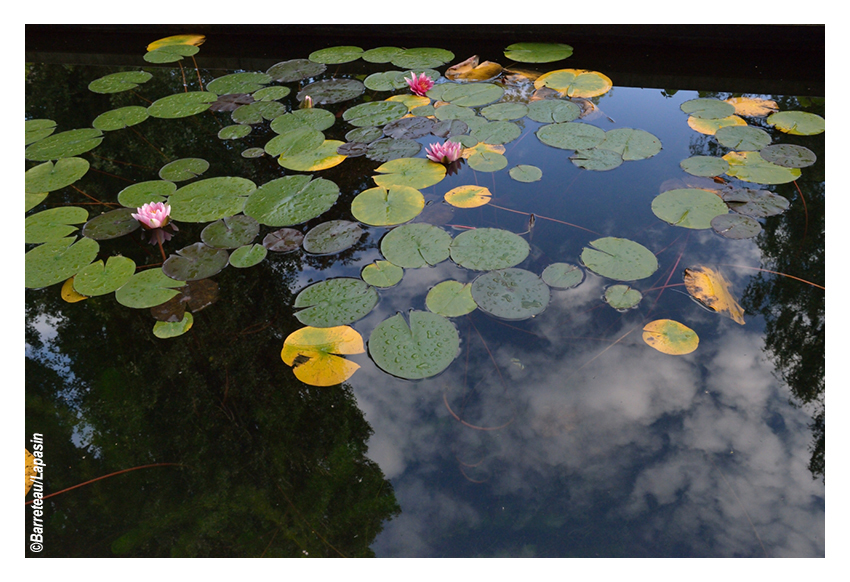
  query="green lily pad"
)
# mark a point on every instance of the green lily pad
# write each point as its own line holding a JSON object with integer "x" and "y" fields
{"x": 756, "y": 203}
{"x": 416, "y": 245}
{"x": 170, "y": 53}
{"x": 111, "y": 224}
{"x": 147, "y": 289}
{"x": 248, "y": 256}
{"x": 273, "y": 93}
{"x": 387, "y": 206}
{"x": 422, "y": 58}
{"x": 169, "y": 329}
{"x": 496, "y": 132}
{"x": 258, "y": 112}
{"x": 571, "y": 135}
{"x": 538, "y": 52}
{"x": 53, "y": 223}
{"x": 597, "y": 159}
{"x": 292, "y": 143}
{"x": 631, "y": 144}
{"x": 622, "y": 297}
{"x": 283, "y": 240}
{"x": 332, "y": 91}
{"x": 619, "y": 259}
{"x": 751, "y": 167}
{"x": 417, "y": 173}
{"x": 451, "y": 299}
{"x": 57, "y": 261}
{"x": 374, "y": 113}
{"x": 382, "y": 274}
{"x": 487, "y": 249}
{"x": 320, "y": 158}
{"x": 706, "y": 108}
{"x": 181, "y": 104}
{"x": 38, "y": 129}
{"x": 230, "y": 232}
{"x": 295, "y": 70}
{"x": 742, "y": 137}
{"x": 364, "y": 134}
{"x": 525, "y": 173}
{"x": 335, "y": 302}
{"x": 385, "y": 81}
{"x": 332, "y": 237}
{"x": 506, "y": 111}
{"x": 66, "y": 144}
{"x": 384, "y": 150}
{"x": 252, "y": 153}
{"x": 136, "y": 195}
{"x": 449, "y": 127}
{"x": 336, "y": 55}
{"x": 319, "y": 119}
{"x": 735, "y": 226}
{"x": 210, "y": 199}
{"x": 512, "y": 294}
{"x": 291, "y": 200}
{"x": 705, "y": 166}
{"x": 789, "y": 155}
{"x": 195, "y": 262}
{"x": 422, "y": 348}
{"x": 246, "y": 82}
{"x": 99, "y": 279}
{"x": 33, "y": 199}
{"x": 237, "y": 131}
{"x": 797, "y": 122}
{"x": 484, "y": 160}
{"x": 185, "y": 169}
{"x": 453, "y": 111}
{"x": 48, "y": 177}
{"x": 408, "y": 128}
{"x": 553, "y": 111}
{"x": 472, "y": 94}
{"x": 120, "y": 118}
{"x": 562, "y": 275}
{"x": 383, "y": 54}
{"x": 688, "y": 207}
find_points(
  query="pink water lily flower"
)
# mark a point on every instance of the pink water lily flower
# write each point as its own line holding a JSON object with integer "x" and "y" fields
{"x": 419, "y": 85}
{"x": 153, "y": 214}
{"x": 444, "y": 153}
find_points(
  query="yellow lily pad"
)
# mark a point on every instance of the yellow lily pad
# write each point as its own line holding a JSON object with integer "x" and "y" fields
{"x": 316, "y": 354}
{"x": 711, "y": 289}
{"x": 320, "y": 158}
{"x": 468, "y": 196}
{"x": 575, "y": 82}
{"x": 670, "y": 337}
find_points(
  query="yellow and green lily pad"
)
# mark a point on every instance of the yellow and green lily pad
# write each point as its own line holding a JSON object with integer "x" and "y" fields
{"x": 670, "y": 337}
{"x": 316, "y": 354}
{"x": 469, "y": 196}
{"x": 751, "y": 167}
{"x": 169, "y": 329}
{"x": 387, "y": 206}
{"x": 575, "y": 82}
{"x": 797, "y": 122}
{"x": 711, "y": 289}
{"x": 319, "y": 158}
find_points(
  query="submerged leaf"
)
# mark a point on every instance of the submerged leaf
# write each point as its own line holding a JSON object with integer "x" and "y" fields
{"x": 711, "y": 289}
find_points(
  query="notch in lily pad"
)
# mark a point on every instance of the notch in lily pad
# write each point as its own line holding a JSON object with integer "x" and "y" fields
{"x": 419, "y": 346}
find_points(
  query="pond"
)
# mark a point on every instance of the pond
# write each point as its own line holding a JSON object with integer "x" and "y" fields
{"x": 594, "y": 328}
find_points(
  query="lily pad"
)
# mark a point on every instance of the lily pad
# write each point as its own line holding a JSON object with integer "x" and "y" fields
{"x": 735, "y": 226}
{"x": 622, "y": 297}
{"x": 670, "y": 337}
{"x": 451, "y": 299}
{"x": 756, "y": 203}
{"x": 797, "y": 122}
{"x": 382, "y": 274}
{"x": 53, "y": 223}
{"x": 299, "y": 140}
{"x": 230, "y": 232}
{"x": 194, "y": 262}
{"x": 316, "y": 354}
{"x": 385, "y": 81}
{"x": 257, "y": 112}
{"x": 364, "y": 135}
{"x": 335, "y": 302}
{"x": 751, "y": 167}
{"x": 332, "y": 91}
{"x": 99, "y": 279}
{"x": 619, "y": 259}
{"x": 417, "y": 173}
{"x": 210, "y": 199}
{"x": 496, "y": 132}
{"x": 147, "y": 289}
{"x": 487, "y": 249}
{"x": 38, "y": 129}
{"x": 384, "y": 150}
{"x": 246, "y": 82}
{"x": 49, "y": 177}
{"x": 789, "y": 155}
{"x": 234, "y": 131}
{"x": 506, "y": 111}
{"x": 472, "y": 94}
{"x": 705, "y": 166}
{"x": 422, "y": 58}
{"x": 597, "y": 159}
{"x": 709, "y": 126}
{"x": 374, "y": 113}
{"x": 247, "y": 256}
{"x": 291, "y": 200}
{"x": 468, "y": 196}
{"x": 449, "y": 127}
{"x": 184, "y": 169}
{"x": 112, "y": 224}
{"x": 416, "y": 245}
{"x": 120, "y": 118}
{"x": 332, "y": 237}
{"x": 118, "y": 82}
{"x": 320, "y": 158}
{"x": 562, "y": 275}
{"x": 383, "y": 54}
{"x": 525, "y": 173}
{"x": 169, "y": 329}
{"x": 66, "y": 144}
{"x": 707, "y": 108}
{"x": 387, "y": 206}
{"x": 136, "y": 195}
{"x": 486, "y": 160}
{"x": 688, "y": 207}
{"x": 631, "y": 144}
{"x": 408, "y": 127}
{"x": 538, "y": 52}
{"x": 422, "y": 348}
{"x": 170, "y": 53}
{"x": 575, "y": 82}
{"x": 57, "y": 260}
{"x": 336, "y": 55}
{"x": 181, "y": 104}
{"x": 295, "y": 70}
{"x": 273, "y": 93}
{"x": 711, "y": 289}
{"x": 319, "y": 119}
{"x": 571, "y": 135}
{"x": 742, "y": 137}
{"x": 31, "y": 200}
{"x": 512, "y": 294}
{"x": 283, "y": 240}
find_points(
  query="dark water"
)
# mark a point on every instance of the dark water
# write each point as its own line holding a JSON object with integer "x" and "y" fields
{"x": 560, "y": 436}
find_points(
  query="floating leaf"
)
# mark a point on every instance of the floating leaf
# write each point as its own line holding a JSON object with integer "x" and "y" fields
{"x": 562, "y": 275}
{"x": 742, "y": 137}
{"x": 335, "y": 302}
{"x": 231, "y": 102}
{"x": 230, "y": 232}
{"x": 571, "y": 135}
{"x": 757, "y": 203}
{"x": 670, "y": 337}
{"x": 797, "y": 122}
{"x": 147, "y": 289}
{"x": 364, "y": 134}
{"x": 49, "y": 177}
{"x": 487, "y": 249}
{"x": 194, "y": 262}
{"x": 383, "y": 54}
{"x": 295, "y": 70}
{"x": 472, "y": 94}
{"x": 751, "y": 167}
{"x": 167, "y": 329}
{"x": 417, "y": 173}
{"x": 416, "y": 245}
{"x": 735, "y": 226}
{"x": 210, "y": 199}
{"x": 710, "y": 126}
{"x": 706, "y": 166}
{"x": 291, "y": 200}
{"x": 170, "y": 53}
{"x": 553, "y": 111}
{"x": 99, "y": 279}
{"x": 512, "y": 294}
{"x": 451, "y": 299}
{"x": 118, "y": 82}
{"x": 387, "y": 206}
{"x": 315, "y": 354}
{"x": 246, "y": 82}
{"x": 184, "y": 169}
{"x": 257, "y": 112}
{"x": 299, "y": 140}
{"x": 688, "y": 207}
{"x": 53, "y": 223}
{"x": 181, "y": 104}
{"x": 111, "y": 224}
{"x": 711, "y": 289}
{"x": 332, "y": 91}
{"x": 753, "y": 106}
{"x": 68, "y": 294}
{"x": 449, "y": 127}
{"x": 57, "y": 261}
{"x": 538, "y": 52}
{"x": 421, "y": 349}
{"x": 321, "y": 158}
{"x": 468, "y": 196}
{"x": 273, "y": 93}
{"x": 33, "y": 199}
{"x": 332, "y": 237}
{"x": 283, "y": 240}
{"x": 506, "y": 111}
{"x": 142, "y": 193}
{"x": 789, "y": 155}
{"x": 38, "y": 129}
{"x": 120, "y": 118}
{"x": 234, "y": 131}
{"x": 374, "y": 113}
{"x": 66, "y": 144}
{"x": 177, "y": 39}
{"x": 496, "y": 132}
{"x": 385, "y": 150}
{"x": 622, "y": 297}
{"x": 247, "y": 256}
{"x": 422, "y": 58}
{"x": 408, "y": 127}
{"x": 382, "y": 274}
{"x": 486, "y": 158}
{"x": 336, "y": 55}
{"x": 471, "y": 70}
{"x": 194, "y": 296}
{"x": 525, "y": 173}
{"x": 620, "y": 259}
{"x": 597, "y": 159}
{"x": 575, "y": 82}
{"x": 707, "y": 108}
{"x": 631, "y": 144}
